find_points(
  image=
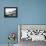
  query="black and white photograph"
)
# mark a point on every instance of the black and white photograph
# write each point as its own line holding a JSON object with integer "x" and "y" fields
{"x": 10, "y": 12}
{"x": 31, "y": 34}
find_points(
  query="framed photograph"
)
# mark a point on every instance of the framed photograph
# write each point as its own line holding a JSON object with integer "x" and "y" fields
{"x": 33, "y": 32}
{"x": 10, "y": 12}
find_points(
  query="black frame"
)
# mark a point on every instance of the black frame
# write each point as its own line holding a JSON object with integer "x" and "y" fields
{"x": 11, "y": 16}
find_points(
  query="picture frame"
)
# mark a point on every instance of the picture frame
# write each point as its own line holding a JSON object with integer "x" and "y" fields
{"x": 10, "y": 12}
{"x": 33, "y": 31}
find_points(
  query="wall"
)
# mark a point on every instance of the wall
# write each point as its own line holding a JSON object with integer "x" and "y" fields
{"x": 29, "y": 12}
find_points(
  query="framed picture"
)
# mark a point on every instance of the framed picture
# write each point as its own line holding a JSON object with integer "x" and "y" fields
{"x": 10, "y": 12}
{"x": 33, "y": 32}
